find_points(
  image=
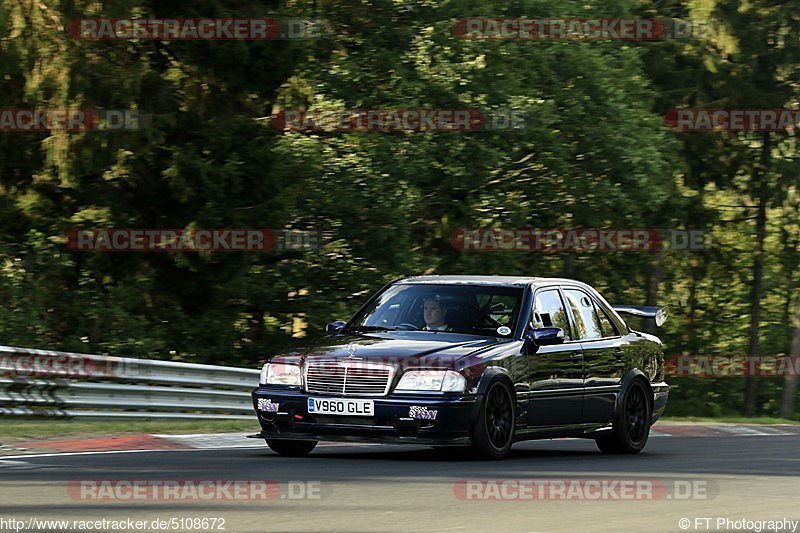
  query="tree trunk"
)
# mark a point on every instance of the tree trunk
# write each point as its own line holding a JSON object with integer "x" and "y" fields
{"x": 789, "y": 396}
{"x": 568, "y": 265}
{"x": 751, "y": 385}
{"x": 652, "y": 282}
{"x": 790, "y": 380}
{"x": 697, "y": 271}
{"x": 689, "y": 337}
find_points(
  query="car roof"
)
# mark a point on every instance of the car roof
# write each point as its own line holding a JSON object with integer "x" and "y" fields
{"x": 501, "y": 281}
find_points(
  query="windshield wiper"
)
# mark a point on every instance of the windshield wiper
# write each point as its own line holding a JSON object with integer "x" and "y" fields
{"x": 366, "y": 329}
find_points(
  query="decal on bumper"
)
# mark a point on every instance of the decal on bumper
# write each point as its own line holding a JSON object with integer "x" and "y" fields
{"x": 422, "y": 413}
{"x": 266, "y": 405}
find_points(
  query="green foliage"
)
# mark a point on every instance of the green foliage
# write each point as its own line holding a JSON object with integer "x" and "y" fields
{"x": 596, "y": 155}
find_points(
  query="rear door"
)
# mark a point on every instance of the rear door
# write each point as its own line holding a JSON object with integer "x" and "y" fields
{"x": 555, "y": 372}
{"x": 604, "y": 362}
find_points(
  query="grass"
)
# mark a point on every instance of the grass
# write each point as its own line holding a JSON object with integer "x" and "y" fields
{"x": 22, "y": 429}
{"x": 764, "y": 420}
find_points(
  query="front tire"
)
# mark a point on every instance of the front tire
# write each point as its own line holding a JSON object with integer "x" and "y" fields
{"x": 291, "y": 448}
{"x": 493, "y": 433}
{"x": 632, "y": 425}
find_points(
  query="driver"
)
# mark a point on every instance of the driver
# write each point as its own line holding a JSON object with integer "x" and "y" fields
{"x": 434, "y": 314}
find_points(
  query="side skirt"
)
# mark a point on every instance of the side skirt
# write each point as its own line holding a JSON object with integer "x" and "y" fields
{"x": 587, "y": 431}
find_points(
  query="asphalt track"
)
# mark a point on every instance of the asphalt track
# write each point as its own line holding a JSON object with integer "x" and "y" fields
{"x": 401, "y": 488}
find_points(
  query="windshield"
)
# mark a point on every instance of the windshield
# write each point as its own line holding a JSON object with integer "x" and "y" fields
{"x": 471, "y": 309}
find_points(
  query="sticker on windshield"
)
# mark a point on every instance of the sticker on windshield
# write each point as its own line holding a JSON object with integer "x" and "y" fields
{"x": 503, "y": 330}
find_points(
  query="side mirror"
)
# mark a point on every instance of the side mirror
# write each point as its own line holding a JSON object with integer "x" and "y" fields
{"x": 546, "y": 336}
{"x": 334, "y": 328}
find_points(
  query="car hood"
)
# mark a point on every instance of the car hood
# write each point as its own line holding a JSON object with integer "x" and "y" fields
{"x": 427, "y": 349}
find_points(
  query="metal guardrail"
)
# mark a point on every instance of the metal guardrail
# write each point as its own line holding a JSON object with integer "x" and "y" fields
{"x": 48, "y": 383}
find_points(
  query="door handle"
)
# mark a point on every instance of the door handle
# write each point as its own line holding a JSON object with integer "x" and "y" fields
{"x": 576, "y": 356}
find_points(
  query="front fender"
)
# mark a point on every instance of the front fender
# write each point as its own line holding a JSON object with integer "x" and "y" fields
{"x": 489, "y": 375}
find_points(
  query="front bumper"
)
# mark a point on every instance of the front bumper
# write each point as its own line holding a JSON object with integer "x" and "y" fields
{"x": 392, "y": 421}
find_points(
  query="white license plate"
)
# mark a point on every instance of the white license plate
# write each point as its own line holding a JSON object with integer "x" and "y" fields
{"x": 341, "y": 406}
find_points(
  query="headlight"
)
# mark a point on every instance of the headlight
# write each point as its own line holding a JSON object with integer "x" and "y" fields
{"x": 280, "y": 374}
{"x": 432, "y": 380}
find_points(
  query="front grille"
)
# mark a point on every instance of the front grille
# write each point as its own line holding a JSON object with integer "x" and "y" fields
{"x": 348, "y": 377}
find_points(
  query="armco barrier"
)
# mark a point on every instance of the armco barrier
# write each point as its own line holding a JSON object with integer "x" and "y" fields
{"x": 48, "y": 383}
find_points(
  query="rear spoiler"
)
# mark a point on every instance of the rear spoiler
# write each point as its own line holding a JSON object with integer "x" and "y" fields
{"x": 658, "y": 314}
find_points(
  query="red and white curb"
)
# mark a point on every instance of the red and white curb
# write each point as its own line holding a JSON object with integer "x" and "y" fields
{"x": 134, "y": 443}
{"x": 232, "y": 440}
{"x": 239, "y": 440}
{"x": 723, "y": 430}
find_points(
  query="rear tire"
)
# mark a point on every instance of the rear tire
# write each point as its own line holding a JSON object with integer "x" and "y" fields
{"x": 631, "y": 428}
{"x": 493, "y": 433}
{"x": 291, "y": 448}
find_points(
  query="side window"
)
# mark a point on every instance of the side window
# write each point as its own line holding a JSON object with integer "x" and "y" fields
{"x": 549, "y": 312}
{"x": 606, "y": 326}
{"x": 586, "y": 320}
